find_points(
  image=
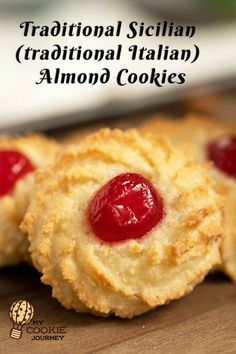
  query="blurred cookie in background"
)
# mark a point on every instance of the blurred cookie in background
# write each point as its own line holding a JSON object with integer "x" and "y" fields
{"x": 19, "y": 157}
{"x": 215, "y": 141}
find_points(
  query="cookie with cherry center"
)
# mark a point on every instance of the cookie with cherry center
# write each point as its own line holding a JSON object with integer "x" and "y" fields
{"x": 19, "y": 158}
{"x": 214, "y": 141}
{"x": 122, "y": 223}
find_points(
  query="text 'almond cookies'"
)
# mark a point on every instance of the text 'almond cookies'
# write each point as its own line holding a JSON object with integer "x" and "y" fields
{"x": 133, "y": 275}
{"x": 19, "y": 158}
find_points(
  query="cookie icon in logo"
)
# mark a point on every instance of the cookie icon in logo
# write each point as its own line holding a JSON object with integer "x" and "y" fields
{"x": 21, "y": 313}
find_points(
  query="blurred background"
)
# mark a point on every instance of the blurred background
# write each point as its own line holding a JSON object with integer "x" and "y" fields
{"x": 210, "y": 86}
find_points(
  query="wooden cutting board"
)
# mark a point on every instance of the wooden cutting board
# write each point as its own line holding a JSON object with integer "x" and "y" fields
{"x": 202, "y": 322}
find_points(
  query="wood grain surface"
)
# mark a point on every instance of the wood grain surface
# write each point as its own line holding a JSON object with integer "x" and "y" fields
{"x": 202, "y": 322}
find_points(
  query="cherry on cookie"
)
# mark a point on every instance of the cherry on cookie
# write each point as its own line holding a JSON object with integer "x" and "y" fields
{"x": 127, "y": 207}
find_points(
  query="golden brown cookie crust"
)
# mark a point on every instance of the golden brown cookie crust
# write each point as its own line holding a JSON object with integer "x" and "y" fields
{"x": 41, "y": 151}
{"x": 77, "y": 135}
{"x": 131, "y": 277}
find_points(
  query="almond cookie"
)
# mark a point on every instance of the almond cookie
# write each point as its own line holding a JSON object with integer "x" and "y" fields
{"x": 123, "y": 223}
{"x": 214, "y": 141}
{"x": 19, "y": 157}
{"x": 78, "y": 134}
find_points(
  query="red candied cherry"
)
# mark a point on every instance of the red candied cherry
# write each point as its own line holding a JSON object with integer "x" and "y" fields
{"x": 13, "y": 166}
{"x": 222, "y": 151}
{"x": 127, "y": 207}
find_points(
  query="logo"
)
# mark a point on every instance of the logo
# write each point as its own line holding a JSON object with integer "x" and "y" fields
{"x": 21, "y": 313}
